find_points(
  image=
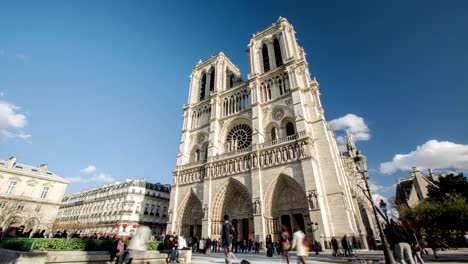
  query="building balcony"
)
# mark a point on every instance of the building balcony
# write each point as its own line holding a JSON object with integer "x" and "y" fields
{"x": 268, "y": 154}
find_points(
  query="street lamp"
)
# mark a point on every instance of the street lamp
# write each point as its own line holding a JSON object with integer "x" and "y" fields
{"x": 361, "y": 166}
{"x": 383, "y": 207}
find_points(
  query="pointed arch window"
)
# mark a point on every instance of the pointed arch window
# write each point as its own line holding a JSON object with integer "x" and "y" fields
{"x": 231, "y": 81}
{"x": 273, "y": 133}
{"x": 202, "y": 87}
{"x": 212, "y": 80}
{"x": 278, "y": 57}
{"x": 266, "y": 60}
{"x": 290, "y": 129}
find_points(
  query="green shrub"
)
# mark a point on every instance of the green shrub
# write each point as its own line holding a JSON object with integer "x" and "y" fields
{"x": 60, "y": 244}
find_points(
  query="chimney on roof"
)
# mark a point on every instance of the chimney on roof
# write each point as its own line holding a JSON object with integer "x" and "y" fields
{"x": 11, "y": 162}
{"x": 43, "y": 168}
{"x": 429, "y": 171}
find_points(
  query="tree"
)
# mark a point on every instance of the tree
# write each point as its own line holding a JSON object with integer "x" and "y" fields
{"x": 445, "y": 212}
{"x": 448, "y": 186}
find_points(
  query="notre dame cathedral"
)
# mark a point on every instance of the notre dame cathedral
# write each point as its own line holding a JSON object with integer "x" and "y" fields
{"x": 262, "y": 151}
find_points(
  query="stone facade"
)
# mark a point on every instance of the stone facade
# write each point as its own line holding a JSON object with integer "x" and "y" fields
{"x": 116, "y": 209}
{"x": 29, "y": 196}
{"x": 364, "y": 216}
{"x": 260, "y": 150}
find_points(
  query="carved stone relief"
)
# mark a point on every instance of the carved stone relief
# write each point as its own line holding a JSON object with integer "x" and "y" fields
{"x": 278, "y": 114}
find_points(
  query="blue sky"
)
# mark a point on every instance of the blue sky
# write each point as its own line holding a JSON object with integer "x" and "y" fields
{"x": 96, "y": 88}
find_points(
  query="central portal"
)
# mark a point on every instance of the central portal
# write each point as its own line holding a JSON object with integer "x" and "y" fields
{"x": 234, "y": 200}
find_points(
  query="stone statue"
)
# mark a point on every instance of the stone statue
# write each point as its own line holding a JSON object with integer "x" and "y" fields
{"x": 312, "y": 199}
{"x": 205, "y": 212}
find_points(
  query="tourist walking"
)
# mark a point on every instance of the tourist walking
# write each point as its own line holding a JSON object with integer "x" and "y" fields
{"x": 334, "y": 243}
{"x": 226, "y": 240}
{"x": 298, "y": 244}
{"x": 400, "y": 239}
{"x": 285, "y": 245}
{"x": 269, "y": 246}
{"x": 345, "y": 245}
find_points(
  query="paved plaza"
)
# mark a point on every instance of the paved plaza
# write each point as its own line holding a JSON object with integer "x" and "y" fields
{"x": 452, "y": 256}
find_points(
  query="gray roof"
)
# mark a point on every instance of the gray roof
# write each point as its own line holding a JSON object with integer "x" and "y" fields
{"x": 31, "y": 170}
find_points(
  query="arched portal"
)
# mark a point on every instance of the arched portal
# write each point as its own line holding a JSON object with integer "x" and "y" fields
{"x": 32, "y": 223}
{"x": 234, "y": 200}
{"x": 285, "y": 204}
{"x": 190, "y": 217}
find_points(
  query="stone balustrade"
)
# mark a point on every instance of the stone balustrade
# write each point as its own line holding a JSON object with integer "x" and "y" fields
{"x": 264, "y": 155}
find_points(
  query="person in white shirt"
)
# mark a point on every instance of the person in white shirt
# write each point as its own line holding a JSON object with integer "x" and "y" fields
{"x": 298, "y": 244}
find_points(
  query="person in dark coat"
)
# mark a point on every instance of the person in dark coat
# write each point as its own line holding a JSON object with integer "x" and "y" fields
{"x": 58, "y": 234}
{"x": 334, "y": 243}
{"x": 345, "y": 245}
{"x": 269, "y": 246}
{"x": 64, "y": 234}
{"x": 226, "y": 240}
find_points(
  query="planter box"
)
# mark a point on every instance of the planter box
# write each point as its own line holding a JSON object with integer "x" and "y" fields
{"x": 84, "y": 257}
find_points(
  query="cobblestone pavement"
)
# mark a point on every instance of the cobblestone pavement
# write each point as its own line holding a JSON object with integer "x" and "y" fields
{"x": 452, "y": 256}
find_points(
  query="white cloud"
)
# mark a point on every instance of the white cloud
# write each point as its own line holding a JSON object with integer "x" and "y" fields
{"x": 356, "y": 126}
{"x": 440, "y": 155}
{"x": 101, "y": 177}
{"x": 11, "y": 121}
{"x": 88, "y": 170}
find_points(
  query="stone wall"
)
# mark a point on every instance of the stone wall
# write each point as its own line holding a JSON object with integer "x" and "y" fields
{"x": 83, "y": 257}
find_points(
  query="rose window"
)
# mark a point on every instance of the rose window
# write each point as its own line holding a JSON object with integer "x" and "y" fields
{"x": 239, "y": 137}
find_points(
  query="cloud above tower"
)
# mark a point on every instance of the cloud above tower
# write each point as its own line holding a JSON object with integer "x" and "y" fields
{"x": 356, "y": 126}
{"x": 434, "y": 154}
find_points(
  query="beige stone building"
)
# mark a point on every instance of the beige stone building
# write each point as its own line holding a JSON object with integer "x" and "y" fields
{"x": 410, "y": 191}
{"x": 29, "y": 196}
{"x": 261, "y": 150}
{"x": 116, "y": 209}
{"x": 365, "y": 214}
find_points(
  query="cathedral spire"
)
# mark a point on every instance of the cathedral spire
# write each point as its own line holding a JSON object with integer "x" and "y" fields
{"x": 350, "y": 142}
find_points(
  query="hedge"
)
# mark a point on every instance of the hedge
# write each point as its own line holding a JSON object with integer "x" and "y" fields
{"x": 60, "y": 244}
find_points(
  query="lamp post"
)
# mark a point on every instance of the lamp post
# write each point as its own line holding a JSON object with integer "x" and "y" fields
{"x": 361, "y": 166}
{"x": 383, "y": 207}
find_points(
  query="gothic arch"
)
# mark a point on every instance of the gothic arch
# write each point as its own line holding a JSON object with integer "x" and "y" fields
{"x": 31, "y": 223}
{"x": 269, "y": 134}
{"x": 235, "y": 200}
{"x": 189, "y": 219}
{"x": 285, "y": 199}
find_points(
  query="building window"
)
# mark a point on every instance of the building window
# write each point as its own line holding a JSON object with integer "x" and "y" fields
{"x": 212, "y": 80}
{"x": 239, "y": 137}
{"x": 11, "y": 186}
{"x": 231, "y": 81}
{"x": 266, "y": 60}
{"x": 290, "y": 129}
{"x": 20, "y": 207}
{"x": 278, "y": 57}
{"x": 273, "y": 133}
{"x": 38, "y": 209}
{"x": 202, "y": 87}
{"x": 2, "y": 205}
{"x": 44, "y": 192}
